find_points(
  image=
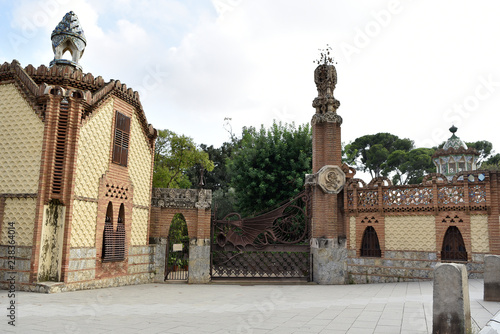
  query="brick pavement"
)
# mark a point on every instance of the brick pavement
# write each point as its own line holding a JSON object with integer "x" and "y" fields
{"x": 215, "y": 308}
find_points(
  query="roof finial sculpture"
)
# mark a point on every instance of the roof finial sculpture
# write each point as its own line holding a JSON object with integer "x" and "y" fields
{"x": 68, "y": 36}
{"x": 325, "y": 77}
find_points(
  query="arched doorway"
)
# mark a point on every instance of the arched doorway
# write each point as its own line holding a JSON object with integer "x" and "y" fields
{"x": 453, "y": 245}
{"x": 370, "y": 245}
{"x": 177, "y": 259}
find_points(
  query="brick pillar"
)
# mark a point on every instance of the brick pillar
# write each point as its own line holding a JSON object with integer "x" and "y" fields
{"x": 493, "y": 205}
{"x": 57, "y": 172}
{"x": 328, "y": 243}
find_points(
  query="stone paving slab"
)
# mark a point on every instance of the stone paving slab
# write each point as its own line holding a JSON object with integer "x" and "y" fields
{"x": 227, "y": 309}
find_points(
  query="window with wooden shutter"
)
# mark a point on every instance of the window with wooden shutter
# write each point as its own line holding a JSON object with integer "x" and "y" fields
{"x": 122, "y": 138}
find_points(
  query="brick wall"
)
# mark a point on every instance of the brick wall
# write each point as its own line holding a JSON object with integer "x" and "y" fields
{"x": 411, "y": 222}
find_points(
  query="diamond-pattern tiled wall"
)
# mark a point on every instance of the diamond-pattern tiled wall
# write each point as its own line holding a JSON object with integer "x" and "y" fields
{"x": 94, "y": 149}
{"x": 21, "y": 135}
{"x": 22, "y": 212}
{"x": 479, "y": 233}
{"x": 413, "y": 233}
{"x": 140, "y": 164}
{"x": 352, "y": 232}
{"x": 84, "y": 224}
{"x": 139, "y": 232}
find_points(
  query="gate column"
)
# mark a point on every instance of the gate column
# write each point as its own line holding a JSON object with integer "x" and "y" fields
{"x": 328, "y": 242}
{"x": 199, "y": 247}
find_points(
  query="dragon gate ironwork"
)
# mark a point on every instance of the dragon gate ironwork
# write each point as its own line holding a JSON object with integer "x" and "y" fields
{"x": 274, "y": 245}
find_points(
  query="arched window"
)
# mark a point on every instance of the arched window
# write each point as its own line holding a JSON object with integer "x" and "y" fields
{"x": 370, "y": 245}
{"x": 108, "y": 235}
{"x": 453, "y": 245}
{"x": 120, "y": 235}
{"x": 113, "y": 241}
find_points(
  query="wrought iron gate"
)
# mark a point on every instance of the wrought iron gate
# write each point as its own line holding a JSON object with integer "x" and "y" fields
{"x": 274, "y": 245}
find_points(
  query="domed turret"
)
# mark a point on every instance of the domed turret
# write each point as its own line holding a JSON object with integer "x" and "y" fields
{"x": 455, "y": 156}
{"x": 68, "y": 36}
{"x": 454, "y": 141}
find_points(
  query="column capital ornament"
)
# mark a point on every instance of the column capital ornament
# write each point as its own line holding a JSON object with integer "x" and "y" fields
{"x": 329, "y": 117}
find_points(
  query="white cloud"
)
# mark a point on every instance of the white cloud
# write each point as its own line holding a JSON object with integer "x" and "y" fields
{"x": 252, "y": 61}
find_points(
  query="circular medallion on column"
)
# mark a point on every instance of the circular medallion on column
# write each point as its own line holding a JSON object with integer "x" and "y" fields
{"x": 331, "y": 179}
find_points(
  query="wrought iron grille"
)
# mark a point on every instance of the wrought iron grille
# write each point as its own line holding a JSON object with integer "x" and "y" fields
{"x": 453, "y": 245}
{"x": 113, "y": 242}
{"x": 260, "y": 264}
{"x": 370, "y": 245}
{"x": 271, "y": 245}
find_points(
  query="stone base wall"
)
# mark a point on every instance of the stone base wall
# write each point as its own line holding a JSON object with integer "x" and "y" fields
{"x": 53, "y": 287}
{"x": 81, "y": 270}
{"x": 329, "y": 261}
{"x": 399, "y": 266}
{"x": 81, "y": 265}
{"x": 141, "y": 259}
{"x": 21, "y": 263}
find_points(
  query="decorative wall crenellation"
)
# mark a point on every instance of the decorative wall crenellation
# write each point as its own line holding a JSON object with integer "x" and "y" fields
{"x": 36, "y": 81}
{"x": 468, "y": 191}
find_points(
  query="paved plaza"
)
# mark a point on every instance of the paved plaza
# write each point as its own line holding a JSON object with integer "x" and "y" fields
{"x": 237, "y": 308}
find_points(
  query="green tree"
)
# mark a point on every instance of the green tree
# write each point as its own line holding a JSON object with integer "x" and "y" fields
{"x": 493, "y": 163}
{"x": 409, "y": 167}
{"x": 174, "y": 156}
{"x": 269, "y": 166}
{"x": 218, "y": 179}
{"x": 369, "y": 153}
{"x": 348, "y": 156}
{"x": 483, "y": 147}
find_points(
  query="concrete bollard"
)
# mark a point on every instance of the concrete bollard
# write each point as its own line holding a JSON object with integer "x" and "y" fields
{"x": 451, "y": 304}
{"x": 492, "y": 278}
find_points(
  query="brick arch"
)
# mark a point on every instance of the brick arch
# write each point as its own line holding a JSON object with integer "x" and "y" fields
{"x": 370, "y": 243}
{"x": 193, "y": 204}
{"x": 461, "y": 220}
{"x": 453, "y": 248}
{"x": 198, "y": 223}
{"x": 377, "y": 222}
{"x": 168, "y": 226}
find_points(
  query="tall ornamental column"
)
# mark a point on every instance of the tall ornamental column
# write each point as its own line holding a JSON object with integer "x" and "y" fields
{"x": 328, "y": 243}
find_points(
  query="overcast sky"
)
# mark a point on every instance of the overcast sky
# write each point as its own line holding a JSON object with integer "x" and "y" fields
{"x": 411, "y": 68}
